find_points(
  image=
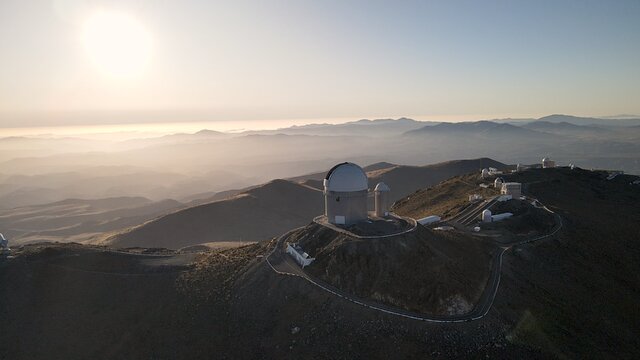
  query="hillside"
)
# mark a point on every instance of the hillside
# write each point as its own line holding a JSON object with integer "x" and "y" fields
{"x": 423, "y": 271}
{"x": 565, "y": 128}
{"x": 476, "y": 129}
{"x": 576, "y": 294}
{"x": 405, "y": 180}
{"x": 253, "y": 215}
{"x": 578, "y": 120}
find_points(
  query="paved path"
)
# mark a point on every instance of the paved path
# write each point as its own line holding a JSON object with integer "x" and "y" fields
{"x": 283, "y": 264}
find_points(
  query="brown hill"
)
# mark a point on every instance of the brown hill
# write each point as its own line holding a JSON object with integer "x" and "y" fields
{"x": 256, "y": 214}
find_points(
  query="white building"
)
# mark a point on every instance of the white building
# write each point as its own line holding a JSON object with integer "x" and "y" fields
{"x": 345, "y": 194}
{"x": 512, "y": 188}
{"x": 475, "y": 197}
{"x": 484, "y": 173}
{"x": 381, "y": 194}
{"x": 429, "y": 220}
{"x": 494, "y": 171}
{"x": 498, "y": 217}
{"x": 4, "y": 243}
{"x": 548, "y": 163}
{"x": 486, "y": 216}
{"x": 497, "y": 183}
{"x": 301, "y": 257}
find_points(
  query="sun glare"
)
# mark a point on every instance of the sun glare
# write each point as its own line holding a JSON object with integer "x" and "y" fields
{"x": 117, "y": 43}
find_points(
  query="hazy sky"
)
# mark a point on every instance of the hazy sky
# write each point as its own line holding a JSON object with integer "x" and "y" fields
{"x": 214, "y": 60}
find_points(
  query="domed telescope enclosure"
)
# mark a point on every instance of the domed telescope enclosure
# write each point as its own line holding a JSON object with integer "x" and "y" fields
{"x": 345, "y": 194}
{"x": 381, "y": 193}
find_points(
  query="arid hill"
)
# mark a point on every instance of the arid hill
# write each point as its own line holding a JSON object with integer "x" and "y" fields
{"x": 257, "y": 214}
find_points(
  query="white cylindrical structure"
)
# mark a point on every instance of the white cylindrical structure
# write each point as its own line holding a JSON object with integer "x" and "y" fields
{"x": 486, "y": 216}
{"x": 4, "y": 243}
{"x": 497, "y": 183}
{"x": 429, "y": 220}
{"x": 345, "y": 193}
{"x": 548, "y": 163}
{"x": 502, "y": 216}
{"x": 381, "y": 194}
{"x": 484, "y": 173}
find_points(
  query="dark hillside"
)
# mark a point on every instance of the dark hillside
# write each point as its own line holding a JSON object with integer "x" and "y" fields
{"x": 577, "y": 294}
{"x": 404, "y": 180}
{"x": 256, "y": 214}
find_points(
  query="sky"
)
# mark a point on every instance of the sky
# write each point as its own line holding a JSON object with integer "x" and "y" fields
{"x": 74, "y": 62}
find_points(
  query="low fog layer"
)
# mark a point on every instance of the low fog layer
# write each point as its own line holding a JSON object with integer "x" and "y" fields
{"x": 188, "y": 167}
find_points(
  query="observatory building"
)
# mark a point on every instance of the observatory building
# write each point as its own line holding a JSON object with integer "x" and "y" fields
{"x": 381, "y": 193}
{"x": 512, "y": 188}
{"x": 4, "y": 244}
{"x": 497, "y": 183}
{"x": 345, "y": 194}
{"x": 548, "y": 163}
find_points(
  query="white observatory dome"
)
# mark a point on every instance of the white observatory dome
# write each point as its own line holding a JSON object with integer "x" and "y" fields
{"x": 382, "y": 187}
{"x": 346, "y": 177}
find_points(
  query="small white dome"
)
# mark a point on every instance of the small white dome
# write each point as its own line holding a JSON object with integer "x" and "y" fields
{"x": 382, "y": 187}
{"x": 545, "y": 159}
{"x": 346, "y": 177}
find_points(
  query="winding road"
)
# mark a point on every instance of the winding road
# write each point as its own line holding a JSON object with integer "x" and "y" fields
{"x": 283, "y": 264}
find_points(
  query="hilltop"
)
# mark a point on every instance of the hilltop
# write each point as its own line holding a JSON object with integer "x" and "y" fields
{"x": 423, "y": 271}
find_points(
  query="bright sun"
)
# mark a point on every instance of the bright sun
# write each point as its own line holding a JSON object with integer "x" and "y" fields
{"x": 117, "y": 43}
